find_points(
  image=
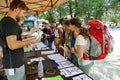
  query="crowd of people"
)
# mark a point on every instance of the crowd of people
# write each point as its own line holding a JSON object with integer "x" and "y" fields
{"x": 70, "y": 41}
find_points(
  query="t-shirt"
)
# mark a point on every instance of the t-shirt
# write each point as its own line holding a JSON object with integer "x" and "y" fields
{"x": 72, "y": 39}
{"x": 11, "y": 58}
{"x": 80, "y": 40}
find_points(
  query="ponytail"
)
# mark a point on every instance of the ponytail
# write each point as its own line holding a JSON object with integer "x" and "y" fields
{"x": 84, "y": 32}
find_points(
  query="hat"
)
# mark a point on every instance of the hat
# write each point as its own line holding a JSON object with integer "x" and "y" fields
{"x": 44, "y": 22}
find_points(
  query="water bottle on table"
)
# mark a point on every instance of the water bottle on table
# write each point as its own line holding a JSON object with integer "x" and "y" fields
{"x": 40, "y": 70}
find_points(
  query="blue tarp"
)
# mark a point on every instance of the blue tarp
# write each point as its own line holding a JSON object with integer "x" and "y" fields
{"x": 31, "y": 18}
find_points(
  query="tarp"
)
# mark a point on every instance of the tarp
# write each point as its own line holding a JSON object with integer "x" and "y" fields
{"x": 31, "y": 18}
{"x": 35, "y": 6}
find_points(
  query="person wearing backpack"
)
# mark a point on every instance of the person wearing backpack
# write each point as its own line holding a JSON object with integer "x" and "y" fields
{"x": 80, "y": 46}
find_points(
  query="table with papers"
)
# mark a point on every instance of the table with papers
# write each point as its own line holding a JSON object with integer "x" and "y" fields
{"x": 65, "y": 69}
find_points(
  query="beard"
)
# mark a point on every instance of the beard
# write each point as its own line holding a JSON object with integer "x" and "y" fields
{"x": 18, "y": 19}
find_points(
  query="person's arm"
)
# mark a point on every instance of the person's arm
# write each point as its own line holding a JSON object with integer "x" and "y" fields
{"x": 13, "y": 43}
{"x": 33, "y": 30}
{"x": 25, "y": 36}
{"x": 80, "y": 43}
{"x": 61, "y": 36}
{"x": 0, "y": 57}
{"x": 79, "y": 51}
{"x": 66, "y": 38}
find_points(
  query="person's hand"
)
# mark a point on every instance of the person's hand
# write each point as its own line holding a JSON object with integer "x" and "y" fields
{"x": 68, "y": 51}
{"x": 0, "y": 57}
{"x": 25, "y": 36}
{"x": 33, "y": 40}
{"x": 33, "y": 30}
{"x": 47, "y": 36}
{"x": 72, "y": 50}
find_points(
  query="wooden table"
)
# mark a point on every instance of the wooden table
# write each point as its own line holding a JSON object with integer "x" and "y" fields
{"x": 32, "y": 69}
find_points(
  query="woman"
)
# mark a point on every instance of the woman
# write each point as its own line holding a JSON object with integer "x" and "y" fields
{"x": 70, "y": 41}
{"x": 81, "y": 46}
{"x": 67, "y": 44}
{"x": 58, "y": 37}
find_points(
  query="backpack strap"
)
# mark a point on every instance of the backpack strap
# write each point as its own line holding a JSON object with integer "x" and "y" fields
{"x": 89, "y": 47}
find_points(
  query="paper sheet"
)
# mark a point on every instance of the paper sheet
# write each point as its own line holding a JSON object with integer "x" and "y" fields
{"x": 11, "y": 72}
{"x": 81, "y": 77}
{"x": 40, "y": 46}
{"x": 48, "y": 52}
{"x": 71, "y": 71}
{"x": 64, "y": 64}
{"x": 36, "y": 59}
{"x": 57, "y": 57}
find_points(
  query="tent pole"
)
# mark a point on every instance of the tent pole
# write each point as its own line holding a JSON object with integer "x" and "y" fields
{"x": 52, "y": 11}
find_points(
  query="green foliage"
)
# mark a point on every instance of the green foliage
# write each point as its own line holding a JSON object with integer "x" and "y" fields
{"x": 91, "y": 9}
{"x": 61, "y": 11}
{"x": 1, "y": 17}
{"x": 113, "y": 12}
{"x": 46, "y": 15}
{"x": 88, "y": 9}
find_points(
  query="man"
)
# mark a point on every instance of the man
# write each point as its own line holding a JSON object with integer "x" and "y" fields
{"x": 48, "y": 35}
{"x": 10, "y": 32}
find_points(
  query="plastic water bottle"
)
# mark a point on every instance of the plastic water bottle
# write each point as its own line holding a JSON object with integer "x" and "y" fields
{"x": 40, "y": 69}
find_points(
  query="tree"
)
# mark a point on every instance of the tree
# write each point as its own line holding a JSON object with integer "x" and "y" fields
{"x": 113, "y": 13}
{"x": 87, "y": 9}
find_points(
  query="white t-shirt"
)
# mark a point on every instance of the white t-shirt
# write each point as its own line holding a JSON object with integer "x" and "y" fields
{"x": 80, "y": 40}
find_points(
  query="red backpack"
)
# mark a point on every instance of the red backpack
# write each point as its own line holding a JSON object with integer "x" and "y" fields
{"x": 98, "y": 44}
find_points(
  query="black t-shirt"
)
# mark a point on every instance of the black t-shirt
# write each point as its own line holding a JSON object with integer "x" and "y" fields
{"x": 11, "y": 58}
